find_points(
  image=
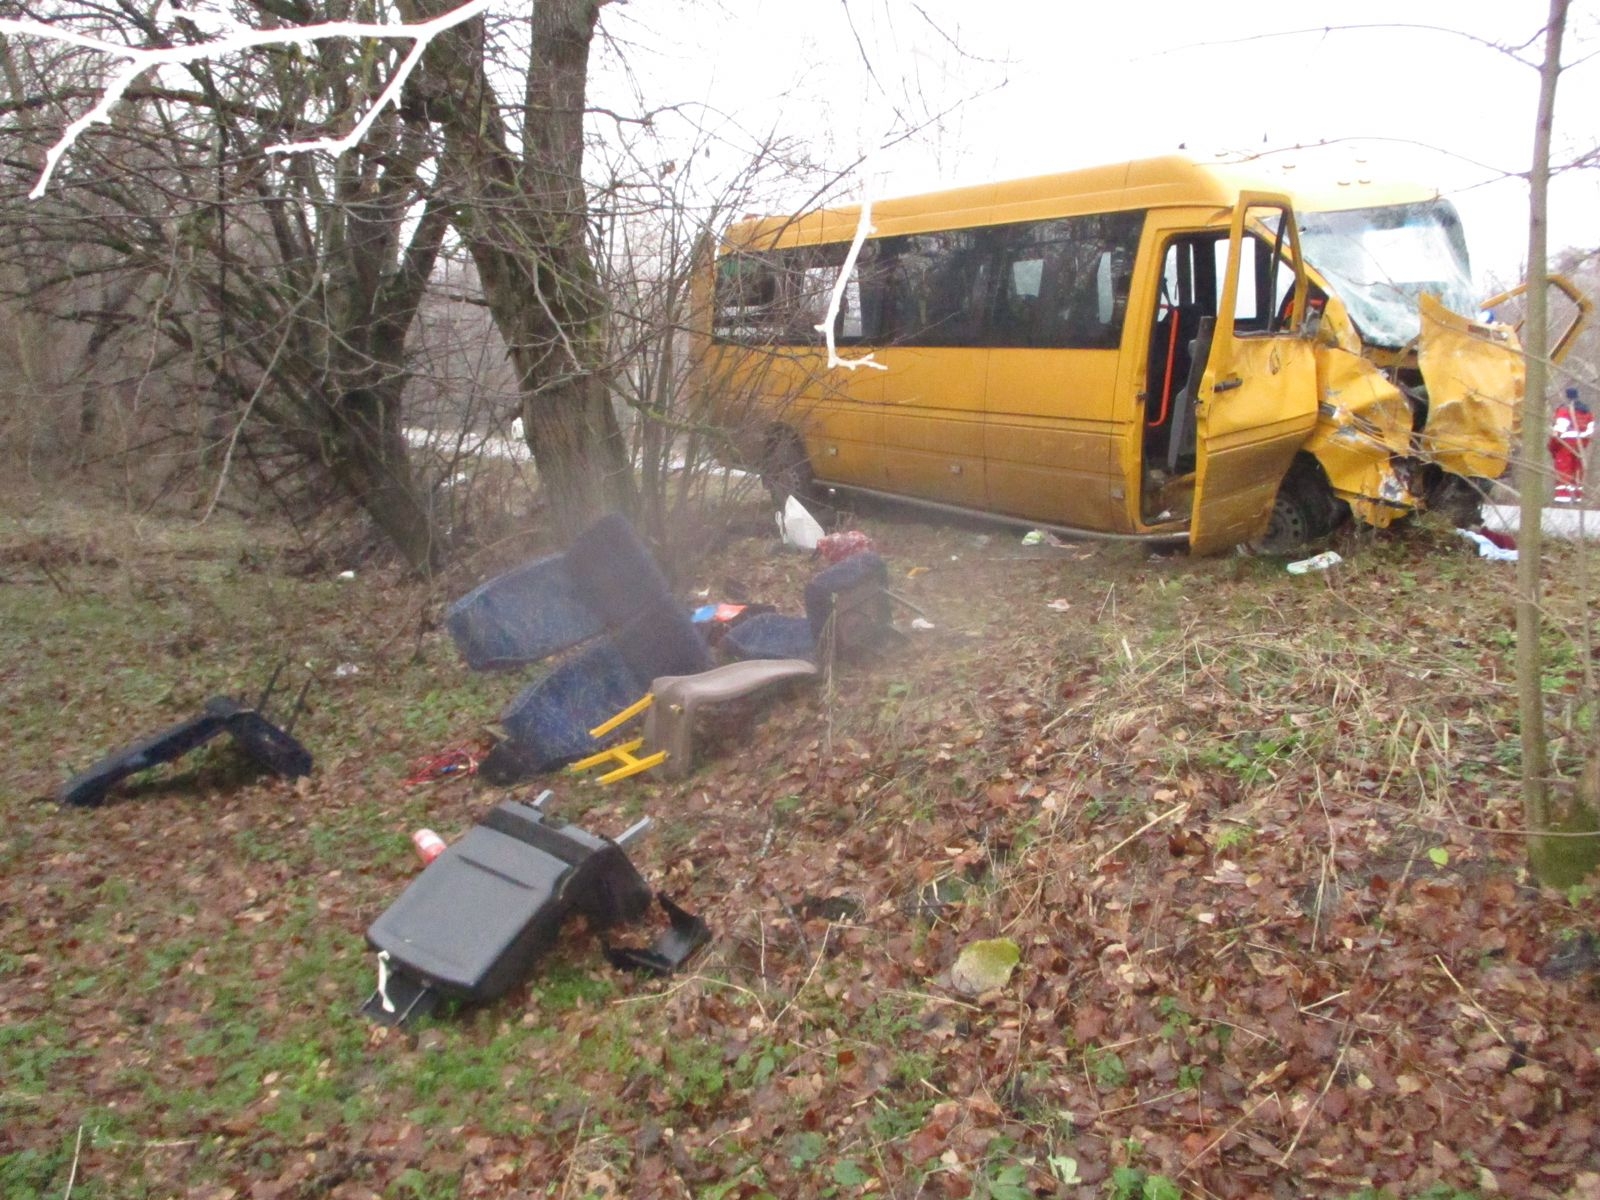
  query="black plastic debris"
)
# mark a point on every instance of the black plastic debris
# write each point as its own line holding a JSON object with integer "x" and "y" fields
{"x": 668, "y": 952}
{"x": 267, "y": 744}
{"x": 478, "y": 918}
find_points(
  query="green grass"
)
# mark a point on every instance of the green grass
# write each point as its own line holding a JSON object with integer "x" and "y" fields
{"x": 182, "y": 969}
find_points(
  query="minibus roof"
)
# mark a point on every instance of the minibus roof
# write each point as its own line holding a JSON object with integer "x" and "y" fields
{"x": 1166, "y": 182}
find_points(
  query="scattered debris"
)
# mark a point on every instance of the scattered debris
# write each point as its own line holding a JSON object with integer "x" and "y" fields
{"x": 624, "y": 755}
{"x": 836, "y": 547}
{"x": 714, "y": 620}
{"x": 429, "y": 845}
{"x": 671, "y": 949}
{"x": 669, "y": 710}
{"x": 346, "y": 671}
{"x": 483, "y": 912}
{"x": 669, "y": 725}
{"x": 1318, "y": 562}
{"x": 717, "y": 613}
{"x": 1499, "y": 537}
{"x": 797, "y": 527}
{"x": 847, "y": 611}
{"x": 455, "y": 762}
{"x": 921, "y": 624}
{"x": 1059, "y": 604}
{"x": 1043, "y": 537}
{"x": 267, "y": 744}
{"x": 1491, "y": 547}
{"x": 606, "y": 583}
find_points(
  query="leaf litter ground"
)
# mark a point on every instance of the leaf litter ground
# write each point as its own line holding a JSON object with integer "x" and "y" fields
{"x": 1255, "y": 835}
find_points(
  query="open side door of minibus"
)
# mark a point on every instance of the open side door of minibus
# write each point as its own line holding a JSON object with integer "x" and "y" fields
{"x": 1257, "y": 397}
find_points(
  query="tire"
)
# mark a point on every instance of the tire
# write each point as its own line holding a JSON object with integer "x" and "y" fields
{"x": 785, "y": 469}
{"x": 1303, "y": 511}
{"x": 1458, "y": 500}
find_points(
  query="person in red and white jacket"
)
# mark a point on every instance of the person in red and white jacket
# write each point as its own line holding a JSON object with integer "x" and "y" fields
{"x": 1570, "y": 434}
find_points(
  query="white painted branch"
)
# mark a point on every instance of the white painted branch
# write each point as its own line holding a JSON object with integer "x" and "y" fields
{"x": 836, "y": 300}
{"x": 139, "y": 60}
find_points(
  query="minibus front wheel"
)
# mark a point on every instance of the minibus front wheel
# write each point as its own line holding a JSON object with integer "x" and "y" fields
{"x": 1458, "y": 499}
{"x": 1304, "y": 509}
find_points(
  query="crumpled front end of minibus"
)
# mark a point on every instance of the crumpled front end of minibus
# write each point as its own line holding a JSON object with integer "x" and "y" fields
{"x": 1475, "y": 379}
{"x": 1367, "y": 437}
{"x": 1363, "y": 432}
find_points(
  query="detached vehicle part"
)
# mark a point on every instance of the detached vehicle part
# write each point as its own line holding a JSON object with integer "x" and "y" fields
{"x": 670, "y": 707}
{"x": 478, "y": 918}
{"x": 268, "y": 745}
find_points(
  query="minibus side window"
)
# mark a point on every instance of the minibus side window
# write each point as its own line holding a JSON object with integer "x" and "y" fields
{"x": 1104, "y": 292}
{"x": 1247, "y": 315}
{"x": 937, "y": 285}
{"x": 816, "y": 272}
{"x": 745, "y": 297}
{"x": 1263, "y": 282}
{"x": 812, "y": 281}
{"x": 780, "y": 297}
{"x": 1063, "y": 283}
{"x": 1056, "y": 284}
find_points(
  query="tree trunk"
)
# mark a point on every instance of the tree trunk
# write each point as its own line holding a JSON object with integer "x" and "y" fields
{"x": 1555, "y": 857}
{"x": 524, "y": 221}
{"x": 368, "y": 455}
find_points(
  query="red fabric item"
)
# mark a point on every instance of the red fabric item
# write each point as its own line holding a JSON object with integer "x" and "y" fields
{"x": 836, "y": 547}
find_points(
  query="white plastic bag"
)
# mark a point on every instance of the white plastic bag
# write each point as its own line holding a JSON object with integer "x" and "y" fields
{"x": 797, "y": 527}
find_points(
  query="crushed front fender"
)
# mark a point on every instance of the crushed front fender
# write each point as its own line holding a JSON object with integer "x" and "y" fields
{"x": 1475, "y": 379}
{"x": 1363, "y": 431}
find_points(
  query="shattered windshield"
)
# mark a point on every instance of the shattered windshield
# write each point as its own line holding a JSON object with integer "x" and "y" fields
{"x": 1380, "y": 260}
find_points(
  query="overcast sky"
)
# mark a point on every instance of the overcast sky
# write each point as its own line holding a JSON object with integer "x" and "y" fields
{"x": 1032, "y": 86}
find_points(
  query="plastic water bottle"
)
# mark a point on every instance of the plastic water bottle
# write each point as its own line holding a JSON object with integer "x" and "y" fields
{"x": 429, "y": 845}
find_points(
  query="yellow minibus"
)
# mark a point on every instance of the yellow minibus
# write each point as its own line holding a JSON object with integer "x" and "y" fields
{"x": 1159, "y": 349}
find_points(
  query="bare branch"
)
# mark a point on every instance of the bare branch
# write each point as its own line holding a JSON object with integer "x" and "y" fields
{"x": 1324, "y": 30}
{"x": 139, "y": 60}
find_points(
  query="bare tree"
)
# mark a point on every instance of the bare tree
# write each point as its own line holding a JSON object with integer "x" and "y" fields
{"x": 1555, "y": 859}
{"x": 289, "y": 284}
{"x": 521, "y": 213}
{"x": 523, "y": 216}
